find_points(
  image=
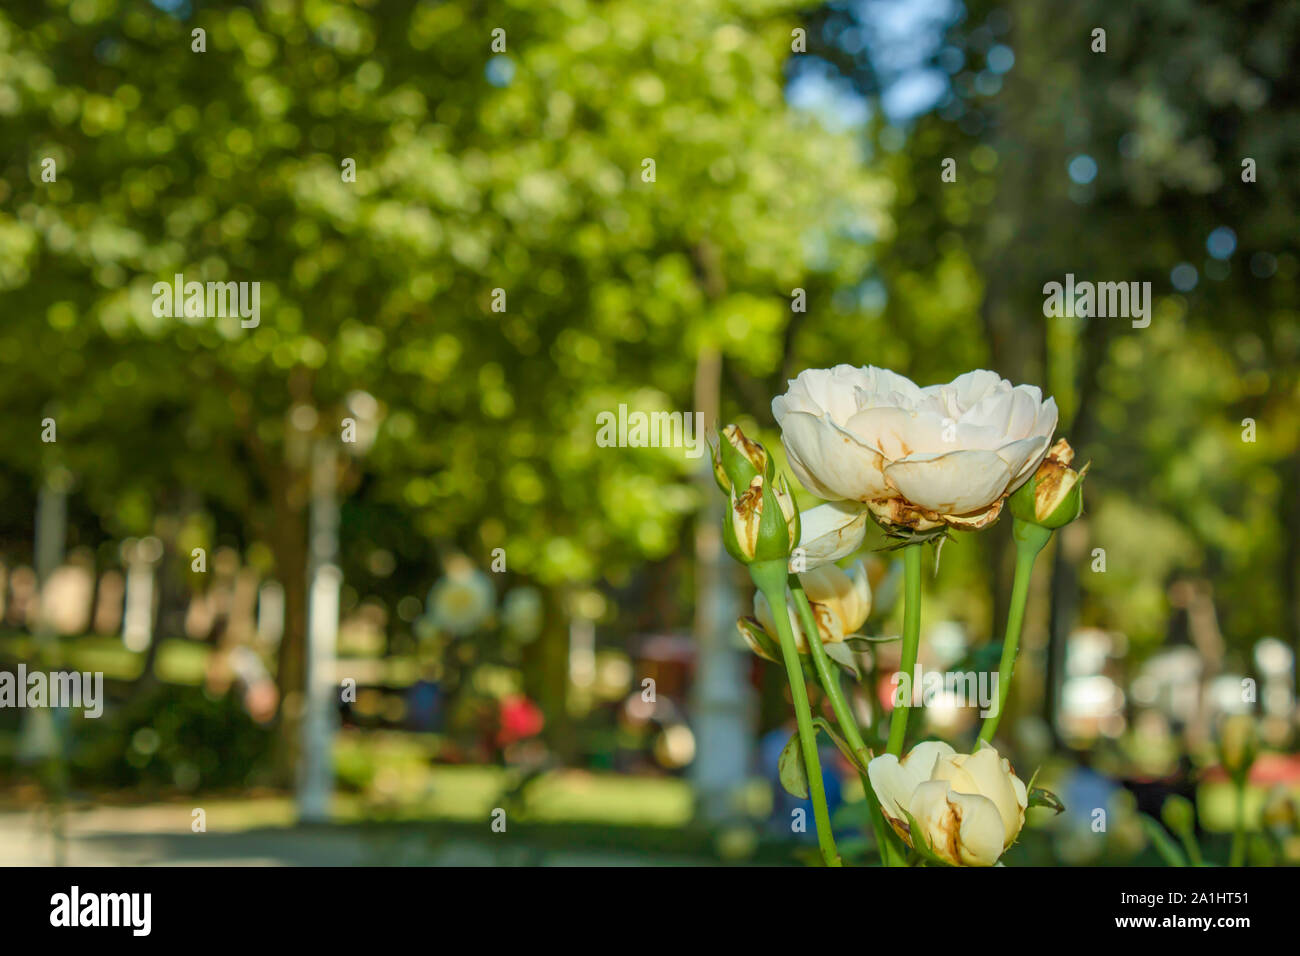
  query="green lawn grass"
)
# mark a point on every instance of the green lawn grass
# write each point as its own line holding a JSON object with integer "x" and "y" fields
{"x": 179, "y": 661}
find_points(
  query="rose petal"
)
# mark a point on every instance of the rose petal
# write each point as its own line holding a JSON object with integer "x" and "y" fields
{"x": 859, "y": 609}
{"x": 830, "y": 532}
{"x": 834, "y": 589}
{"x": 959, "y": 482}
{"x": 987, "y": 774}
{"x": 832, "y": 459}
{"x": 822, "y": 391}
{"x": 897, "y": 432}
{"x": 805, "y": 474}
{"x": 966, "y": 390}
{"x": 894, "y": 781}
{"x": 1045, "y": 421}
{"x": 982, "y": 836}
{"x": 1023, "y": 457}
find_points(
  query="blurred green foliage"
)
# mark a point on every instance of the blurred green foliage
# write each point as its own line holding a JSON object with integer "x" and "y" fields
{"x": 1193, "y": 423}
{"x": 171, "y": 738}
{"x": 522, "y": 171}
{"x": 226, "y": 165}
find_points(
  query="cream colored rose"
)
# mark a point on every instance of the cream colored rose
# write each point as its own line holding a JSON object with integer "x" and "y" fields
{"x": 969, "y": 807}
{"x": 840, "y": 602}
{"x": 917, "y": 457}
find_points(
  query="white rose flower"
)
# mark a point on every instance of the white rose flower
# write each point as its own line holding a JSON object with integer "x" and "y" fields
{"x": 969, "y": 808}
{"x": 915, "y": 457}
{"x": 840, "y": 602}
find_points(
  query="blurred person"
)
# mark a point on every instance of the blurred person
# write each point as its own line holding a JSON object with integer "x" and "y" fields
{"x": 241, "y": 667}
{"x": 518, "y": 719}
{"x": 425, "y": 701}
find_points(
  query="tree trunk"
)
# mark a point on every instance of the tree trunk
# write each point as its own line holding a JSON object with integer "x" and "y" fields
{"x": 290, "y": 547}
{"x": 1289, "y": 568}
{"x": 1064, "y": 597}
{"x": 546, "y": 675}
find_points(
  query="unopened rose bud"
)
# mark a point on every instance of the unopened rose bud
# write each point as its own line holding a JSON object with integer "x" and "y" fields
{"x": 1053, "y": 496}
{"x": 759, "y": 640}
{"x": 737, "y": 459}
{"x": 1238, "y": 745}
{"x": 840, "y": 602}
{"x": 1179, "y": 814}
{"x": 762, "y": 523}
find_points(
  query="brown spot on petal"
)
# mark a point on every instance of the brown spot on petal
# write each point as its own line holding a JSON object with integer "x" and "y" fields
{"x": 1050, "y": 485}
{"x": 826, "y": 620}
{"x": 900, "y": 827}
{"x": 751, "y": 502}
{"x": 1061, "y": 452}
{"x": 751, "y": 449}
{"x": 952, "y": 830}
{"x": 900, "y": 512}
{"x": 976, "y": 520}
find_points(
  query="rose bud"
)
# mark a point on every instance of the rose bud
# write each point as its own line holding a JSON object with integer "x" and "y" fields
{"x": 840, "y": 601}
{"x": 762, "y": 523}
{"x": 1238, "y": 745}
{"x": 1053, "y": 497}
{"x": 737, "y": 459}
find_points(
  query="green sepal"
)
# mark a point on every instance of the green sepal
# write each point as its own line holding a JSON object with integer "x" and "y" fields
{"x": 907, "y": 536}
{"x": 767, "y": 646}
{"x": 842, "y": 656}
{"x": 774, "y": 535}
{"x": 791, "y": 769}
{"x": 858, "y": 761}
{"x": 1038, "y": 797}
{"x": 736, "y": 465}
{"x": 719, "y": 473}
{"x": 867, "y": 640}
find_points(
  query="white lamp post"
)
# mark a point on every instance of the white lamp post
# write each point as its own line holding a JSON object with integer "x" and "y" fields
{"x": 324, "y": 583}
{"x": 721, "y": 701}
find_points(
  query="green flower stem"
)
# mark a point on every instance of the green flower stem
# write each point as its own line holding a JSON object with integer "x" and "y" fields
{"x": 911, "y": 641}
{"x": 1030, "y": 539}
{"x": 830, "y": 681}
{"x": 1238, "y": 857}
{"x": 770, "y": 577}
{"x": 1191, "y": 847}
{"x": 1161, "y": 841}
